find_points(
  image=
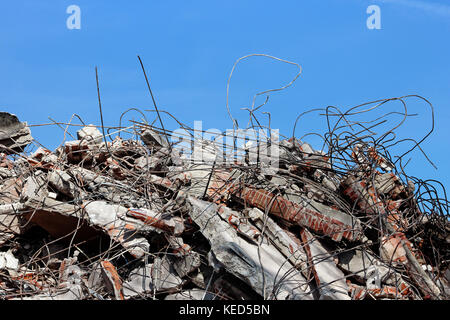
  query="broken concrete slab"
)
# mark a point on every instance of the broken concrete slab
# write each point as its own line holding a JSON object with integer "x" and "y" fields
{"x": 90, "y": 134}
{"x": 14, "y": 135}
{"x": 279, "y": 238}
{"x": 109, "y": 218}
{"x": 60, "y": 219}
{"x": 152, "y": 139}
{"x": 9, "y": 263}
{"x": 368, "y": 268}
{"x": 9, "y": 221}
{"x": 153, "y": 278}
{"x": 331, "y": 280}
{"x": 34, "y": 187}
{"x": 187, "y": 263}
{"x": 275, "y": 279}
{"x": 63, "y": 182}
{"x": 147, "y": 162}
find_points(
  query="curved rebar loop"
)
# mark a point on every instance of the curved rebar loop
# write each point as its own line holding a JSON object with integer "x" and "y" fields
{"x": 253, "y": 109}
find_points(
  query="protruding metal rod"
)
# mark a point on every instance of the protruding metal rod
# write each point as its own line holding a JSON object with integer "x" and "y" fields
{"x": 154, "y": 102}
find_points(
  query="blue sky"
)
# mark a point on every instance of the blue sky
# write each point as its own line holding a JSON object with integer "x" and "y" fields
{"x": 189, "y": 48}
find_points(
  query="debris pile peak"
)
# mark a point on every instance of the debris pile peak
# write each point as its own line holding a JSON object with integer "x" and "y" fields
{"x": 101, "y": 219}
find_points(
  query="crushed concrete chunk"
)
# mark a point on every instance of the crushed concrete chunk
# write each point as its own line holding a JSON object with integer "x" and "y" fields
{"x": 108, "y": 217}
{"x": 62, "y": 182}
{"x": 153, "y": 139}
{"x": 9, "y": 262}
{"x": 14, "y": 135}
{"x": 187, "y": 263}
{"x": 90, "y": 134}
{"x": 153, "y": 278}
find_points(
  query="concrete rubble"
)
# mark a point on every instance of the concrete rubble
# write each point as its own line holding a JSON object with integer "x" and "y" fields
{"x": 109, "y": 218}
{"x": 14, "y": 135}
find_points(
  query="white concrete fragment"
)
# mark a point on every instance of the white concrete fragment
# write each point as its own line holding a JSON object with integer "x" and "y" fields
{"x": 102, "y": 213}
{"x": 44, "y": 156}
{"x": 11, "y": 208}
{"x": 187, "y": 263}
{"x": 109, "y": 218}
{"x": 153, "y": 139}
{"x": 90, "y": 134}
{"x": 366, "y": 266}
{"x": 9, "y": 221}
{"x": 95, "y": 280}
{"x": 147, "y": 163}
{"x": 288, "y": 247}
{"x": 200, "y": 174}
{"x": 333, "y": 284}
{"x": 34, "y": 187}
{"x": 14, "y": 134}
{"x": 139, "y": 282}
{"x": 62, "y": 182}
{"x": 263, "y": 267}
{"x": 156, "y": 277}
{"x": 9, "y": 262}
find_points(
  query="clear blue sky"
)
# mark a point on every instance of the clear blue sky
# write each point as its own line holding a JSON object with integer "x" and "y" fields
{"x": 189, "y": 47}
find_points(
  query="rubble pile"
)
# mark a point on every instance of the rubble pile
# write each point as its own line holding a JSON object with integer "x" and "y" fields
{"x": 136, "y": 219}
